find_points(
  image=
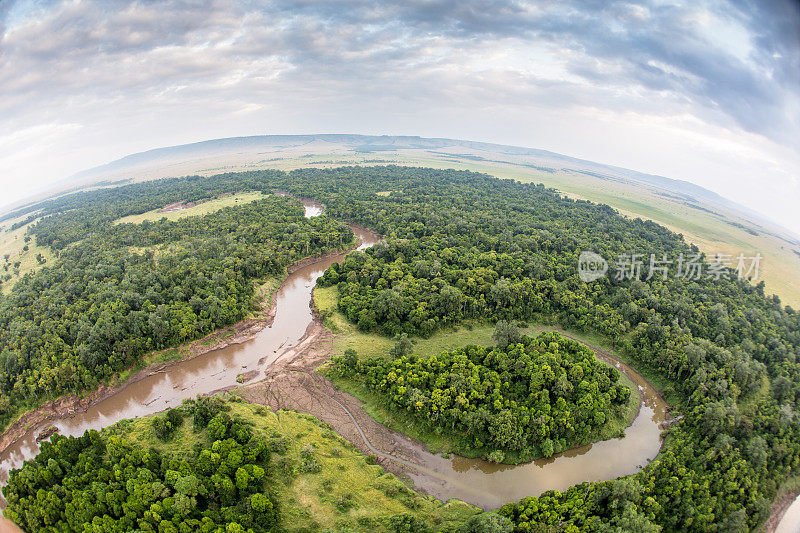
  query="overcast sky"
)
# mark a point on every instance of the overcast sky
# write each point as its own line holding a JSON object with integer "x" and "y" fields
{"x": 708, "y": 92}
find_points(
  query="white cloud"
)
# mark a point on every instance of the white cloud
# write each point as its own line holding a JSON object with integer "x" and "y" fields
{"x": 706, "y": 93}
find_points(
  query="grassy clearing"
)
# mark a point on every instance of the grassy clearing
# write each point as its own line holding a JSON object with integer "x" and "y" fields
{"x": 199, "y": 209}
{"x": 158, "y": 251}
{"x": 749, "y": 405}
{"x": 400, "y": 421}
{"x": 369, "y": 345}
{"x": 347, "y": 493}
{"x": 715, "y": 230}
{"x": 790, "y": 485}
{"x": 712, "y": 228}
{"x": 18, "y": 256}
{"x": 372, "y": 345}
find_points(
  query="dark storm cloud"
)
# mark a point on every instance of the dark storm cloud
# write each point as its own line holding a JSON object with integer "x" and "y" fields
{"x": 613, "y": 51}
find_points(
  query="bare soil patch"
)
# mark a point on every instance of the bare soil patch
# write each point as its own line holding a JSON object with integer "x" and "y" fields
{"x": 177, "y": 206}
{"x": 291, "y": 383}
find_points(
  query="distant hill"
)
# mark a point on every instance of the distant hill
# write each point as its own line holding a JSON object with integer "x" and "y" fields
{"x": 262, "y": 144}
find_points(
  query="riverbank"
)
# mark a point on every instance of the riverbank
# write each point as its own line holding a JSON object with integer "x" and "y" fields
{"x": 238, "y": 333}
{"x": 446, "y": 443}
{"x": 317, "y": 480}
{"x": 293, "y": 383}
{"x": 368, "y": 345}
{"x": 288, "y": 354}
{"x": 69, "y": 405}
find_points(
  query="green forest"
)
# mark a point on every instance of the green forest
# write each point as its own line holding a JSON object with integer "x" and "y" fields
{"x": 105, "y": 482}
{"x": 221, "y": 466}
{"x": 533, "y": 398}
{"x": 458, "y": 245}
{"x": 128, "y": 289}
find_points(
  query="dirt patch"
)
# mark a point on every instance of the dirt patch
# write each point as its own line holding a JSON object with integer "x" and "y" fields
{"x": 177, "y": 206}
{"x": 291, "y": 383}
{"x": 180, "y": 206}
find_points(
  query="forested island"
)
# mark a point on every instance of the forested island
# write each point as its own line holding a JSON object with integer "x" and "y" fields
{"x": 523, "y": 400}
{"x": 457, "y": 246}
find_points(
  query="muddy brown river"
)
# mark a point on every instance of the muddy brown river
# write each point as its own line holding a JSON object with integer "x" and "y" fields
{"x": 490, "y": 485}
{"x": 485, "y": 484}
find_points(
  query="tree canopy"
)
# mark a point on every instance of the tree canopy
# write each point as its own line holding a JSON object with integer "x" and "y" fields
{"x": 458, "y": 245}
{"x": 534, "y": 398}
{"x": 128, "y": 289}
{"x": 105, "y": 482}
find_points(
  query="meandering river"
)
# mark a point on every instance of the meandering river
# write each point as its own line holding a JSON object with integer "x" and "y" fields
{"x": 486, "y": 484}
{"x": 490, "y": 485}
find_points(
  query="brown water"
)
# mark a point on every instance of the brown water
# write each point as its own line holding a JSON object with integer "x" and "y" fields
{"x": 486, "y": 484}
{"x": 490, "y": 485}
{"x": 201, "y": 375}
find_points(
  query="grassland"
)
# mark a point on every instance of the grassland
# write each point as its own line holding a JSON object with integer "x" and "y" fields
{"x": 203, "y": 208}
{"x": 348, "y": 493}
{"x": 18, "y": 256}
{"x": 372, "y": 345}
{"x": 369, "y": 345}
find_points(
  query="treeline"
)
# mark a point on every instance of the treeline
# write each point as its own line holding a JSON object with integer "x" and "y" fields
{"x": 129, "y": 289}
{"x": 534, "y": 398}
{"x": 72, "y": 217}
{"x": 24, "y": 222}
{"x": 106, "y": 482}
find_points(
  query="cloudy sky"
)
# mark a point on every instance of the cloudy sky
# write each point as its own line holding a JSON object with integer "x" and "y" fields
{"x": 708, "y": 92}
